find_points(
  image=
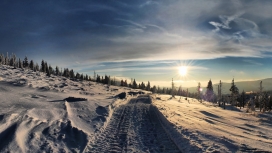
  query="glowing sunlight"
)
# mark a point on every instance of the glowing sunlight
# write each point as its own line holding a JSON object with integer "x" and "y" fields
{"x": 182, "y": 70}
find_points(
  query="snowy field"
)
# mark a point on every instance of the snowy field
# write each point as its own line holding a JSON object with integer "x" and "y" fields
{"x": 34, "y": 117}
{"x": 204, "y": 127}
{"x": 38, "y": 114}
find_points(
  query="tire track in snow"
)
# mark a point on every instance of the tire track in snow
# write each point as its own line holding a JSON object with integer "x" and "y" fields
{"x": 134, "y": 127}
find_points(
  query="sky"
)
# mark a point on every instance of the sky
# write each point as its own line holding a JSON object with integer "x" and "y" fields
{"x": 144, "y": 39}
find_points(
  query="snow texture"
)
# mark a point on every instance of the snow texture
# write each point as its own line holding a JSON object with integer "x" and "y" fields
{"x": 55, "y": 114}
{"x": 205, "y": 127}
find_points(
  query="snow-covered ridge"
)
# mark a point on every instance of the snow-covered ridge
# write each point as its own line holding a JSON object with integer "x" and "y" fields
{"x": 37, "y": 114}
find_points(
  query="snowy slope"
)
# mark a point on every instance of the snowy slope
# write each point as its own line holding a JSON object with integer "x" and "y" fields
{"x": 203, "y": 127}
{"x": 34, "y": 117}
{"x": 37, "y": 115}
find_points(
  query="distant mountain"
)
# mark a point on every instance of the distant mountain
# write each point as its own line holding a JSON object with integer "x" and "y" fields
{"x": 243, "y": 85}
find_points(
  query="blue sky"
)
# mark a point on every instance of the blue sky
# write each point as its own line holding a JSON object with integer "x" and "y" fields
{"x": 144, "y": 39}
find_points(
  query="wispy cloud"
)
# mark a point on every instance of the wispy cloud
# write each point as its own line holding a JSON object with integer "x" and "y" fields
{"x": 237, "y": 72}
{"x": 161, "y": 68}
{"x": 218, "y": 26}
{"x": 149, "y": 2}
{"x": 131, "y": 22}
{"x": 252, "y": 62}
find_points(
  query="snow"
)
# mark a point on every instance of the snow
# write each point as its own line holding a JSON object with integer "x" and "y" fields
{"x": 39, "y": 114}
{"x": 35, "y": 117}
{"x": 204, "y": 127}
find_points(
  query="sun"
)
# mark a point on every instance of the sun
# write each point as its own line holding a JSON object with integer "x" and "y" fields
{"x": 182, "y": 70}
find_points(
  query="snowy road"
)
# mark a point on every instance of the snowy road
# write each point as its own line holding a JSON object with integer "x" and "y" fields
{"x": 134, "y": 127}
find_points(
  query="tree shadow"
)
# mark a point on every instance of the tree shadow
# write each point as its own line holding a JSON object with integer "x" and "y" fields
{"x": 232, "y": 108}
{"x": 74, "y": 99}
{"x": 70, "y": 99}
{"x": 266, "y": 118}
{"x": 209, "y": 114}
{"x": 56, "y": 101}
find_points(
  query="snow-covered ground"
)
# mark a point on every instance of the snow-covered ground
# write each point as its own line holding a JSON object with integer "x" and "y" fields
{"x": 34, "y": 117}
{"x": 37, "y": 115}
{"x": 204, "y": 127}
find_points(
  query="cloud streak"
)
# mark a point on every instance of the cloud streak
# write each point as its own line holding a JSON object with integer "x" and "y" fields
{"x": 99, "y": 31}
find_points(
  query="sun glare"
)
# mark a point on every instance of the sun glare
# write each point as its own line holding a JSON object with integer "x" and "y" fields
{"x": 182, "y": 70}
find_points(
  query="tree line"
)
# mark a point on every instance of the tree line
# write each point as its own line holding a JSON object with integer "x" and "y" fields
{"x": 45, "y": 67}
{"x": 263, "y": 100}
{"x": 15, "y": 62}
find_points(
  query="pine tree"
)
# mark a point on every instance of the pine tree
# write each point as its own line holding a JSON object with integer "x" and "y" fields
{"x": 114, "y": 82}
{"x": 72, "y": 74}
{"x": 243, "y": 99}
{"x": 125, "y": 83}
{"x": 105, "y": 81}
{"x": 20, "y": 63}
{"x": 34, "y": 68}
{"x": 163, "y": 90}
{"x": 234, "y": 92}
{"x": 179, "y": 92}
{"x": 1, "y": 59}
{"x": 173, "y": 88}
{"x": 154, "y": 89}
{"x": 270, "y": 103}
{"x": 148, "y": 86}
{"x": 25, "y": 62}
{"x": 209, "y": 92}
{"x": 159, "y": 90}
{"x": 81, "y": 77}
{"x": 6, "y": 60}
{"x": 57, "y": 71}
{"x": 134, "y": 85}
{"x": 31, "y": 65}
{"x": 142, "y": 86}
{"x": 66, "y": 73}
{"x": 98, "y": 78}
{"x": 46, "y": 67}
{"x": 51, "y": 71}
{"x": 12, "y": 60}
{"x": 77, "y": 75}
{"x": 47, "y": 70}
{"x": 94, "y": 79}
{"x": 37, "y": 67}
{"x": 220, "y": 93}
{"x": 43, "y": 69}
